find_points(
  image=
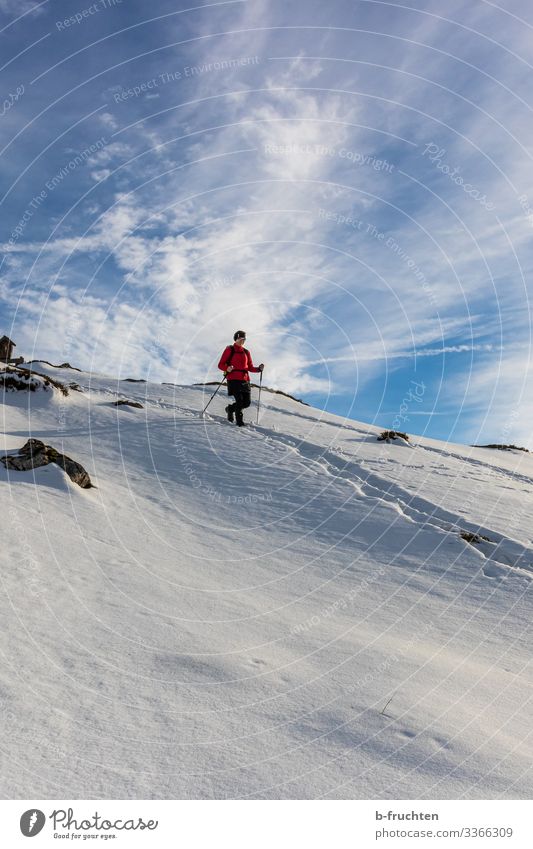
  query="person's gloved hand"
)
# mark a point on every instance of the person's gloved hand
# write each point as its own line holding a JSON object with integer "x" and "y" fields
{"x": 229, "y": 368}
{"x": 261, "y": 366}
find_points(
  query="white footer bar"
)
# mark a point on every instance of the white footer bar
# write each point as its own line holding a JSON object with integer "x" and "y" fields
{"x": 267, "y": 824}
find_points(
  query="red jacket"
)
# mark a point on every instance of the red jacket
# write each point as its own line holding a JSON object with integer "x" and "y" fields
{"x": 241, "y": 362}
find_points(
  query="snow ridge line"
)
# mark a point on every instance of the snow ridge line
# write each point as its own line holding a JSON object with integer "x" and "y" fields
{"x": 503, "y": 550}
{"x": 472, "y": 461}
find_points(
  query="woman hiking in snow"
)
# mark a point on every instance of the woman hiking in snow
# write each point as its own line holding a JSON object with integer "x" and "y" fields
{"x": 237, "y": 361}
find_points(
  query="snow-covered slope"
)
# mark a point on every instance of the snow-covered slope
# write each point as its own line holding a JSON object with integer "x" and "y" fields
{"x": 283, "y": 611}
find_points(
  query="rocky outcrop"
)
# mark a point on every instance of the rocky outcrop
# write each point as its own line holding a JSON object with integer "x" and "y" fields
{"x": 253, "y": 385}
{"x": 35, "y": 453}
{"x": 63, "y": 365}
{"x": 10, "y": 381}
{"x": 17, "y": 378}
{"x": 387, "y": 435}
{"x": 502, "y": 447}
{"x": 472, "y": 538}
{"x": 122, "y": 402}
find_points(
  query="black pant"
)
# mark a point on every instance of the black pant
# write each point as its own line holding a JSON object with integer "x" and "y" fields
{"x": 240, "y": 389}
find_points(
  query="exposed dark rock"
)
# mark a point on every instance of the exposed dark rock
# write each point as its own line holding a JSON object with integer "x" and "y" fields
{"x": 472, "y": 538}
{"x": 28, "y": 374}
{"x": 122, "y": 402}
{"x": 30, "y": 456}
{"x": 502, "y": 447}
{"x": 387, "y": 435}
{"x": 280, "y": 392}
{"x": 134, "y": 380}
{"x": 63, "y": 365}
{"x": 9, "y": 380}
{"x": 74, "y": 470}
{"x": 35, "y": 453}
{"x": 255, "y": 386}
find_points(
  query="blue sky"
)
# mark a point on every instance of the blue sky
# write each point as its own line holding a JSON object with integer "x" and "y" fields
{"x": 349, "y": 182}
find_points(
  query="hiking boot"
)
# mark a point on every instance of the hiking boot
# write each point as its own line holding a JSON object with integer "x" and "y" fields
{"x": 229, "y": 412}
{"x": 240, "y": 421}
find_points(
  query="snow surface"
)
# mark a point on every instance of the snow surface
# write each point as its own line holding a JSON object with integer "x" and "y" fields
{"x": 284, "y": 611}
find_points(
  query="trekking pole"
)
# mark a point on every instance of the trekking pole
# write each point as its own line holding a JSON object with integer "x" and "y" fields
{"x": 213, "y": 395}
{"x": 259, "y": 398}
